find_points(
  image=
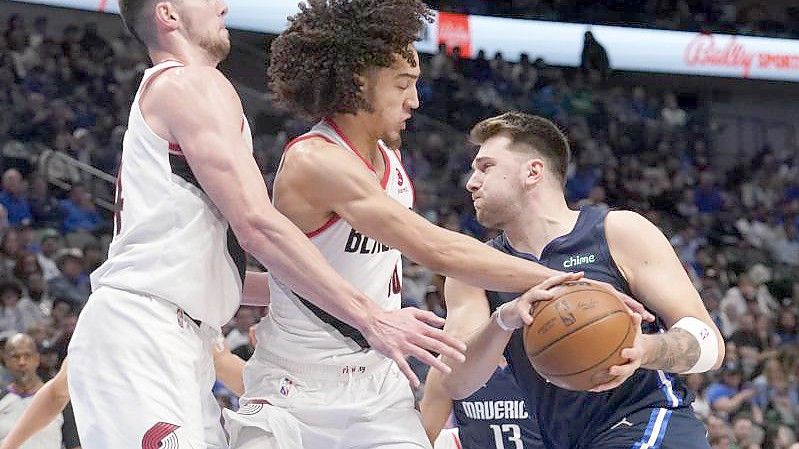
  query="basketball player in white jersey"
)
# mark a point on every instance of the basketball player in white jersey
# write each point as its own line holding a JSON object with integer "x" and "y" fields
{"x": 191, "y": 201}
{"x": 314, "y": 382}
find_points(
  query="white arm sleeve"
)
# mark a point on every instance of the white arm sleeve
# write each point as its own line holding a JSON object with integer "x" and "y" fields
{"x": 708, "y": 343}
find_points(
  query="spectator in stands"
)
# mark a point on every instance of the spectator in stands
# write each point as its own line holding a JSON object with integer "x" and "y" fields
{"x": 73, "y": 283}
{"x": 18, "y": 312}
{"x": 671, "y": 114}
{"x": 27, "y": 265}
{"x": 50, "y": 246}
{"x": 594, "y": 56}
{"x": 37, "y": 292}
{"x": 785, "y": 248}
{"x": 10, "y": 250}
{"x": 728, "y": 396}
{"x": 747, "y": 434}
{"x": 695, "y": 383}
{"x": 13, "y": 198}
{"x": 45, "y": 209}
{"x": 80, "y": 213}
{"x": 786, "y": 328}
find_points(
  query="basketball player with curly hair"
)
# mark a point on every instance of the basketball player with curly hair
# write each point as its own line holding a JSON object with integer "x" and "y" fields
{"x": 351, "y": 65}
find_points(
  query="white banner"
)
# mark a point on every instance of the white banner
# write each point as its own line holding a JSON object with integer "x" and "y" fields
{"x": 641, "y": 50}
{"x": 635, "y": 49}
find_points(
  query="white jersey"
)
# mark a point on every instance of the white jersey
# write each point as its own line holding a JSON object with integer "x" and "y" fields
{"x": 11, "y": 408}
{"x": 170, "y": 241}
{"x": 296, "y": 329}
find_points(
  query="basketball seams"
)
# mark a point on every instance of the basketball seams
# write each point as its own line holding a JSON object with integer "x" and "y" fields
{"x": 581, "y": 322}
{"x": 577, "y": 329}
{"x": 612, "y": 353}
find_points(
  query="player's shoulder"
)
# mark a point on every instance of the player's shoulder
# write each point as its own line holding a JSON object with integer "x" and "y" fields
{"x": 626, "y": 221}
{"x": 191, "y": 82}
{"x": 316, "y": 154}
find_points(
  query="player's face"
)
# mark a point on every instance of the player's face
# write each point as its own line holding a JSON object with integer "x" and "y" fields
{"x": 497, "y": 182}
{"x": 392, "y": 93}
{"x": 205, "y": 26}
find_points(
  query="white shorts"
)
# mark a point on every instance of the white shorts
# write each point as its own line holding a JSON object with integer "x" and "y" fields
{"x": 140, "y": 375}
{"x": 289, "y": 405}
{"x": 448, "y": 439}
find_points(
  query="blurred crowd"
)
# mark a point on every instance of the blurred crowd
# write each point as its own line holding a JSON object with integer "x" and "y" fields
{"x": 640, "y": 148}
{"x": 724, "y": 16}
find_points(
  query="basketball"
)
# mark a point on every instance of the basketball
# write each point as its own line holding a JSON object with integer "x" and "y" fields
{"x": 576, "y": 336}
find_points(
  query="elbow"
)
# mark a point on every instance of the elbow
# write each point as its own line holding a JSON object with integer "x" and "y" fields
{"x": 249, "y": 232}
{"x": 722, "y": 352}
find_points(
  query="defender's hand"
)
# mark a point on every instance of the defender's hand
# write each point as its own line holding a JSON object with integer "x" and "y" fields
{"x": 409, "y": 331}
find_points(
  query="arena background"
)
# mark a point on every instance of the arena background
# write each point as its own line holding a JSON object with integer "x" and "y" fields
{"x": 686, "y": 112}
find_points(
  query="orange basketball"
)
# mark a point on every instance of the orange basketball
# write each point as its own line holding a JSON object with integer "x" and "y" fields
{"x": 578, "y": 335}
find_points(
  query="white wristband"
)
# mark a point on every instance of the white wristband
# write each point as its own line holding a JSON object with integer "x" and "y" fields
{"x": 498, "y": 319}
{"x": 708, "y": 343}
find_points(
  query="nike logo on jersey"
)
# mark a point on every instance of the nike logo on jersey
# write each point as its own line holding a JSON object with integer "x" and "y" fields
{"x": 574, "y": 261}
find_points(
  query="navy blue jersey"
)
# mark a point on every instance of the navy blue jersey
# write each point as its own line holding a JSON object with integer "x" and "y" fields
{"x": 496, "y": 416}
{"x": 572, "y": 419}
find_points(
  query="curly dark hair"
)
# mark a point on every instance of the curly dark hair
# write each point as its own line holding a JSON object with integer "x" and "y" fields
{"x": 314, "y": 61}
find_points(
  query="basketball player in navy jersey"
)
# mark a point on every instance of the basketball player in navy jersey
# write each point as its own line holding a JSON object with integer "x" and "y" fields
{"x": 494, "y": 417}
{"x": 191, "y": 200}
{"x": 517, "y": 187}
{"x": 350, "y": 64}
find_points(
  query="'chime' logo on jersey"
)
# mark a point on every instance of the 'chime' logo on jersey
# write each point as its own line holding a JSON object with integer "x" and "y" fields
{"x": 359, "y": 243}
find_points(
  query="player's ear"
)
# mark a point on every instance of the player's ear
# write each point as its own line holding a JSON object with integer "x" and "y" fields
{"x": 167, "y": 15}
{"x": 534, "y": 171}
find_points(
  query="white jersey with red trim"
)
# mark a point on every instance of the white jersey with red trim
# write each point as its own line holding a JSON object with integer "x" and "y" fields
{"x": 170, "y": 241}
{"x": 296, "y": 329}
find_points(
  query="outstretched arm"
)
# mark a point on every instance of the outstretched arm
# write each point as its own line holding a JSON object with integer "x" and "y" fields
{"x": 46, "y": 405}
{"x": 342, "y": 186}
{"x": 199, "y": 109}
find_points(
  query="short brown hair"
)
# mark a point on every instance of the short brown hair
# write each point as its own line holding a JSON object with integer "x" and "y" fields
{"x": 132, "y": 13}
{"x": 540, "y": 134}
{"x": 313, "y": 63}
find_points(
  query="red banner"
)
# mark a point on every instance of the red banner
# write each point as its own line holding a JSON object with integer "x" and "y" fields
{"x": 453, "y": 31}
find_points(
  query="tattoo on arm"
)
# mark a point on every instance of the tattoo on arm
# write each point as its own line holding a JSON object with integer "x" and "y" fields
{"x": 676, "y": 351}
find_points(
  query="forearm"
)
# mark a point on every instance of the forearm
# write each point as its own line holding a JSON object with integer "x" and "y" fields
{"x": 296, "y": 262}
{"x": 43, "y": 409}
{"x": 435, "y": 406}
{"x": 480, "y": 265}
{"x": 230, "y": 371}
{"x": 256, "y": 289}
{"x": 484, "y": 348}
{"x": 675, "y": 351}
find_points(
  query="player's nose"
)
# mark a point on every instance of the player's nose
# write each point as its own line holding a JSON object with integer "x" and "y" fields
{"x": 472, "y": 183}
{"x": 224, "y": 8}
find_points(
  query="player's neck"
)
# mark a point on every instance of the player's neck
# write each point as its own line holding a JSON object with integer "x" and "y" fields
{"x": 541, "y": 221}
{"x": 359, "y": 136}
{"x": 186, "y": 56}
